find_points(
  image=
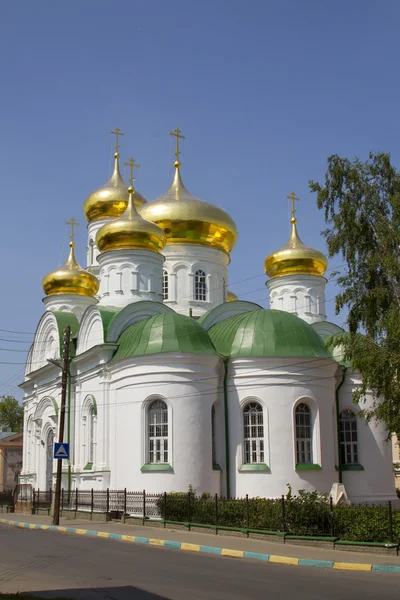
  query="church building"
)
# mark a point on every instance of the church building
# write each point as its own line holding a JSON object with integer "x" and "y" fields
{"x": 173, "y": 381}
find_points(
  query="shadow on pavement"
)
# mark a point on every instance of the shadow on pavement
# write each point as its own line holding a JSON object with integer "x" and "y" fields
{"x": 127, "y": 592}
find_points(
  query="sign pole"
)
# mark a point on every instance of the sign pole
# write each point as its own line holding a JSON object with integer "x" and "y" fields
{"x": 64, "y": 378}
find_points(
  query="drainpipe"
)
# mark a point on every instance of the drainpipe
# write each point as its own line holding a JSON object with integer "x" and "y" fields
{"x": 344, "y": 369}
{"x": 69, "y": 430}
{"x": 227, "y": 457}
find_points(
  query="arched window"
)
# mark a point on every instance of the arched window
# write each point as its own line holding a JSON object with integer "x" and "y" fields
{"x": 348, "y": 438}
{"x": 213, "y": 440}
{"x": 158, "y": 432}
{"x": 200, "y": 286}
{"x": 90, "y": 434}
{"x": 165, "y": 284}
{"x": 223, "y": 289}
{"x": 91, "y": 252}
{"x": 253, "y": 433}
{"x": 303, "y": 435}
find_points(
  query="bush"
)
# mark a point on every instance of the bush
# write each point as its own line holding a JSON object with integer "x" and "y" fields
{"x": 308, "y": 513}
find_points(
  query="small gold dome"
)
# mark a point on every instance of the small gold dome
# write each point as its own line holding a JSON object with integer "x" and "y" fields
{"x": 109, "y": 201}
{"x": 70, "y": 279}
{"x": 231, "y": 297}
{"x": 187, "y": 220}
{"x": 295, "y": 257}
{"x": 130, "y": 231}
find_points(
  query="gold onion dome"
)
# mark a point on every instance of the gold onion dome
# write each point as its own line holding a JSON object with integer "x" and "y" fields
{"x": 130, "y": 231}
{"x": 109, "y": 201}
{"x": 187, "y": 220}
{"x": 70, "y": 279}
{"x": 231, "y": 297}
{"x": 295, "y": 258}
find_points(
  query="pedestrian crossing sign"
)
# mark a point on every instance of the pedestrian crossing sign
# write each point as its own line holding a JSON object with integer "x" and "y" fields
{"x": 61, "y": 450}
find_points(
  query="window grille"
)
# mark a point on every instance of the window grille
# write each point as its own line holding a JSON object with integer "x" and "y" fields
{"x": 303, "y": 435}
{"x": 348, "y": 438}
{"x": 165, "y": 285}
{"x": 253, "y": 433}
{"x": 158, "y": 432}
{"x": 200, "y": 286}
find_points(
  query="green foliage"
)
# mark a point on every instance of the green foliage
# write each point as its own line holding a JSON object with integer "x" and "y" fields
{"x": 398, "y": 492}
{"x": 11, "y": 414}
{"x": 308, "y": 513}
{"x": 361, "y": 201}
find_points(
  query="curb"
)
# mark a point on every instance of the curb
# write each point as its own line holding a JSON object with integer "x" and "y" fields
{"x": 283, "y": 560}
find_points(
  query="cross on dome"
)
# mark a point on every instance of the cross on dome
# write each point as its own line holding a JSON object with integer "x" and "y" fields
{"x": 117, "y": 132}
{"x": 132, "y": 164}
{"x": 176, "y": 134}
{"x": 292, "y": 196}
{"x": 73, "y": 224}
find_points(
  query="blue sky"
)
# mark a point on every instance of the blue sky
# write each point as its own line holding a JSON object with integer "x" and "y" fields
{"x": 264, "y": 91}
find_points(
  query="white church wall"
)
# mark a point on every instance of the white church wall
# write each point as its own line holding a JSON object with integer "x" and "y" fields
{"x": 181, "y": 263}
{"x": 128, "y": 276}
{"x": 278, "y": 385}
{"x": 189, "y": 386}
{"x": 303, "y": 295}
{"x": 376, "y": 482}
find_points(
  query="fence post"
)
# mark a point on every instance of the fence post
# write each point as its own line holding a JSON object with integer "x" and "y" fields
{"x": 165, "y": 507}
{"x": 390, "y": 522}
{"x": 189, "y": 508}
{"x": 76, "y": 501}
{"x": 216, "y": 512}
{"x": 91, "y": 504}
{"x": 331, "y": 516}
{"x": 123, "y": 516}
{"x": 62, "y": 500}
{"x": 108, "y": 501}
{"x": 49, "y": 509}
{"x": 283, "y": 514}
{"x": 38, "y": 501}
{"x": 247, "y": 511}
{"x": 144, "y": 505}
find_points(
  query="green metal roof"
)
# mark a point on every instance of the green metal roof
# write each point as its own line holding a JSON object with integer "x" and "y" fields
{"x": 107, "y": 315}
{"x": 63, "y": 320}
{"x": 266, "y": 333}
{"x": 165, "y": 332}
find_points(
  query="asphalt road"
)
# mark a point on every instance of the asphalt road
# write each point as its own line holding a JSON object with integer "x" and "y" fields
{"x": 55, "y": 564}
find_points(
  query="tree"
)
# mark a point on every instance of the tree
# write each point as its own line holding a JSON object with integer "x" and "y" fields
{"x": 361, "y": 201}
{"x": 11, "y": 414}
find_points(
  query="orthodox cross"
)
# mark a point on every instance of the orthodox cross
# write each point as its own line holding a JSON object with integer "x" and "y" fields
{"x": 73, "y": 224}
{"x": 292, "y": 196}
{"x": 132, "y": 165}
{"x": 117, "y": 132}
{"x": 176, "y": 133}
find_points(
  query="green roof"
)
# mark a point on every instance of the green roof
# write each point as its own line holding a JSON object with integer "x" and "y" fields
{"x": 107, "y": 315}
{"x": 165, "y": 332}
{"x": 336, "y": 350}
{"x": 265, "y": 333}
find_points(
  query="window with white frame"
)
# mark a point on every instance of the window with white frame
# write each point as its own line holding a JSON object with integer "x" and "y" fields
{"x": 253, "y": 433}
{"x": 213, "y": 440}
{"x": 303, "y": 434}
{"x": 200, "y": 285}
{"x": 158, "y": 432}
{"x": 348, "y": 438}
{"x": 165, "y": 285}
{"x": 90, "y": 434}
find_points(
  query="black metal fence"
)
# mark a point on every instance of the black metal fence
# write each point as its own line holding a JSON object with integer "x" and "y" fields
{"x": 290, "y": 515}
{"x": 7, "y": 498}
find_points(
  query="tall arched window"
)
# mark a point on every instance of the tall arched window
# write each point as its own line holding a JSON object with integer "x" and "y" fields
{"x": 158, "y": 432}
{"x": 200, "y": 285}
{"x": 253, "y": 433}
{"x": 91, "y": 252}
{"x": 90, "y": 434}
{"x": 165, "y": 284}
{"x": 213, "y": 439}
{"x": 303, "y": 435}
{"x": 223, "y": 289}
{"x": 348, "y": 438}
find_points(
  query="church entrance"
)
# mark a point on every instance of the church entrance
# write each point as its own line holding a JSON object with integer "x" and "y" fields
{"x": 49, "y": 460}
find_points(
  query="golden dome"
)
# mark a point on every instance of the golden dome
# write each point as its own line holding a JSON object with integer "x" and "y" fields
{"x": 109, "y": 201}
{"x": 130, "y": 231}
{"x": 187, "y": 220}
{"x": 231, "y": 297}
{"x": 70, "y": 279}
{"x": 295, "y": 257}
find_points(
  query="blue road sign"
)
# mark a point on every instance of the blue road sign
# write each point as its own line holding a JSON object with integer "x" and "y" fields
{"x": 61, "y": 450}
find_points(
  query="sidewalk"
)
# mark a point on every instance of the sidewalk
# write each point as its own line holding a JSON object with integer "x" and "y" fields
{"x": 289, "y": 554}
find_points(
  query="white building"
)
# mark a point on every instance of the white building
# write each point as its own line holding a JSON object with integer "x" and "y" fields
{"x": 174, "y": 382}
